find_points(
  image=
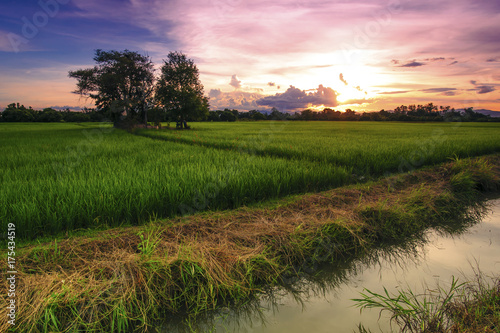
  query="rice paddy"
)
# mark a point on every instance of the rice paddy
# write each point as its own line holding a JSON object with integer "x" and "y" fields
{"x": 63, "y": 177}
{"x": 369, "y": 148}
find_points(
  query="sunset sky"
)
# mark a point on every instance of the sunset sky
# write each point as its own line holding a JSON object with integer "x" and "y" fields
{"x": 289, "y": 54}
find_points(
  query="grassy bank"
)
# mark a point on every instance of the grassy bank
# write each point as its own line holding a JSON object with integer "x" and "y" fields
{"x": 128, "y": 277}
{"x": 472, "y": 306}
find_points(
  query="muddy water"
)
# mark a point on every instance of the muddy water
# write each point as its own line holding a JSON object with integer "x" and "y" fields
{"x": 323, "y": 303}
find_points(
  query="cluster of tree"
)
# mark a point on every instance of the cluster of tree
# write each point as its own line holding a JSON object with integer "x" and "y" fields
{"x": 125, "y": 90}
{"x": 233, "y": 115}
{"x": 19, "y": 113}
{"x": 124, "y": 86}
{"x": 428, "y": 112}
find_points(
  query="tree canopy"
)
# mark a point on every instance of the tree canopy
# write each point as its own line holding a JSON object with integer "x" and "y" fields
{"x": 179, "y": 90}
{"x": 121, "y": 82}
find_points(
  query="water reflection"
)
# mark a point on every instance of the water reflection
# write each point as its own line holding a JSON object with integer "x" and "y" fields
{"x": 322, "y": 301}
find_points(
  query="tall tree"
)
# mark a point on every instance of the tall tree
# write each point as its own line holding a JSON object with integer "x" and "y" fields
{"x": 179, "y": 90}
{"x": 121, "y": 82}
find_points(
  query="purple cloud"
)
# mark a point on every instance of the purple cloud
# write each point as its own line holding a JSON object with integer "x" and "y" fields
{"x": 295, "y": 99}
{"x": 441, "y": 91}
{"x": 236, "y": 99}
{"x": 438, "y": 90}
{"x": 235, "y": 82}
{"x": 485, "y": 89}
{"x": 482, "y": 88}
{"x": 214, "y": 93}
{"x": 413, "y": 64}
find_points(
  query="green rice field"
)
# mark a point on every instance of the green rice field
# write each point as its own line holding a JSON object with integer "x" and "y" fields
{"x": 63, "y": 177}
{"x": 366, "y": 147}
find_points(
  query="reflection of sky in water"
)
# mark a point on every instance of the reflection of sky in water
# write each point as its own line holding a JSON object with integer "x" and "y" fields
{"x": 331, "y": 310}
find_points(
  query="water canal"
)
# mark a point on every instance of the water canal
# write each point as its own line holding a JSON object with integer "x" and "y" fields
{"x": 323, "y": 303}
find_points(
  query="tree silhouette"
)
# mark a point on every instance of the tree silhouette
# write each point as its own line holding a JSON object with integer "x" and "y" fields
{"x": 120, "y": 83}
{"x": 179, "y": 90}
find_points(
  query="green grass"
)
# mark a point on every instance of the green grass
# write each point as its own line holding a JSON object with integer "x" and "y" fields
{"x": 472, "y": 306}
{"x": 372, "y": 148}
{"x": 65, "y": 177}
{"x": 62, "y": 177}
{"x": 413, "y": 312}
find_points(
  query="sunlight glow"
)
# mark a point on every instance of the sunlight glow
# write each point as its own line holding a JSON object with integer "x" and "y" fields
{"x": 358, "y": 83}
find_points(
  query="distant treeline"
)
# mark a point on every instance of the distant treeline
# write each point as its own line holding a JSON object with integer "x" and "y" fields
{"x": 429, "y": 112}
{"x": 19, "y": 113}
